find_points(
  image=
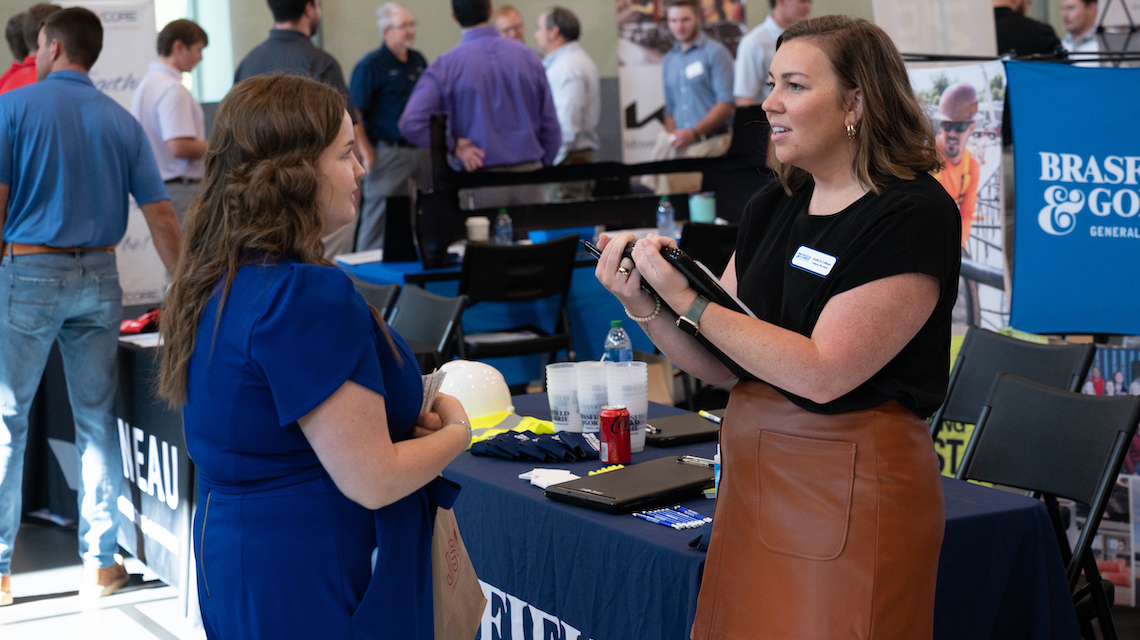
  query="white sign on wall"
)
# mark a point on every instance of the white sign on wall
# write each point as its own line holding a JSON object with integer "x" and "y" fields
{"x": 128, "y": 45}
{"x": 947, "y": 27}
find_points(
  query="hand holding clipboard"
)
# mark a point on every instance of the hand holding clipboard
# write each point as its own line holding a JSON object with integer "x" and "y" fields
{"x": 704, "y": 283}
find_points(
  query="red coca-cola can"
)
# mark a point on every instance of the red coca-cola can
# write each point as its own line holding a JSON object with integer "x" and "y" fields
{"x": 613, "y": 428}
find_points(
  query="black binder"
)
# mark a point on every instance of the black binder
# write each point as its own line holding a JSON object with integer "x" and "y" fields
{"x": 640, "y": 486}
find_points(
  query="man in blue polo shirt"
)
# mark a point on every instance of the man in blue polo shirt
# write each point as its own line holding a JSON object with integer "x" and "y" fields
{"x": 381, "y": 84}
{"x": 69, "y": 157}
{"x": 699, "y": 103}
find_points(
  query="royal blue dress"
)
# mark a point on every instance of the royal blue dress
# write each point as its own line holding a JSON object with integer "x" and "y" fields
{"x": 281, "y": 552}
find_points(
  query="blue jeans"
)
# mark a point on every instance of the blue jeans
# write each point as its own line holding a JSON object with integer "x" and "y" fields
{"x": 77, "y": 300}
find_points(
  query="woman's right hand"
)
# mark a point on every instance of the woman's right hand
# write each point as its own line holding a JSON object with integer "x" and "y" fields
{"x": 619, "y": 276}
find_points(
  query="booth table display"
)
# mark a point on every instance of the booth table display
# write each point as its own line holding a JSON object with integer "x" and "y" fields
{"x": 612, "y": 577}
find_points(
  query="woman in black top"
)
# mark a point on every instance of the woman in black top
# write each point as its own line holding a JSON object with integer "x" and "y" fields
{"x": 830, "y": 514}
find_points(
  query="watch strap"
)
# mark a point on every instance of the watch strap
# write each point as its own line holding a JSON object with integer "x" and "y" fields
{"x": 690, "y": 322}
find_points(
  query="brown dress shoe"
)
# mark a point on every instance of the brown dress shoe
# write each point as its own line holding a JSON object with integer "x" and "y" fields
{"x": 98, "y": 583}
{"x": 5, "y": 590}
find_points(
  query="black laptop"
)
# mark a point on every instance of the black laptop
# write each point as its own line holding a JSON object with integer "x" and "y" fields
{"x": 684, "y": 428}
{"x": 640, "y": 486}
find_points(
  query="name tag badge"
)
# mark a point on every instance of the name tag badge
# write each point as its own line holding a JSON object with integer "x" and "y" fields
{"x": 694, "y": 69}
{"x": 813, "y": 261}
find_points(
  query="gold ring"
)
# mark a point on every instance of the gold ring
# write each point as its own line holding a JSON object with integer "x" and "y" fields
{"x": 625, "y": 272}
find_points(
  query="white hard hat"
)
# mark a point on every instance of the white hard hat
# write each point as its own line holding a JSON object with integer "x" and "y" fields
{"x": 479, "y": 387}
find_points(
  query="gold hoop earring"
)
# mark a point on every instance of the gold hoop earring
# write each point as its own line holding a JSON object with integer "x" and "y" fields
{"x": 850, "y": 131}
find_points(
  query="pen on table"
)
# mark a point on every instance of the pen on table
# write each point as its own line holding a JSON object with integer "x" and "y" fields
{"x": 692, "y": 514}
{"x": 674, "y": 518}
{"x": 656, "y": 520}
{"x": 709, "y": 416}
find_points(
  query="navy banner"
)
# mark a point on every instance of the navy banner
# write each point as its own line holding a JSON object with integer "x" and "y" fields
{"x": 1077, "y": 176}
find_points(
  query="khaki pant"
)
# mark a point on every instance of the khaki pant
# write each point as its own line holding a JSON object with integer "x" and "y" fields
{"x": 559, "y": 191}
{"x": 389, "y": 176}
{"x": 181, "y": 195}
{"x": 664, "y": 184}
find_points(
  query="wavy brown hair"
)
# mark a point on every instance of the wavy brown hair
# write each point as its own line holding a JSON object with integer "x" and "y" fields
{"x": 894, "y": 140}
{"x": 257, "y": 203}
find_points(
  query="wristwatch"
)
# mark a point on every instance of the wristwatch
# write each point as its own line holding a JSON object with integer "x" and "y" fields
{"x": 690, "y": 322}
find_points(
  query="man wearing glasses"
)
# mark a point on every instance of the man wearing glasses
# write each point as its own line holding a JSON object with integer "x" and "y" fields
{"x": 380, "y": 86}
{"x": 957, "y": 112}
{"x": 509, "y": 23}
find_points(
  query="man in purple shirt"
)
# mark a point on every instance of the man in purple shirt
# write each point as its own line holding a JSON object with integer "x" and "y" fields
{"x": 500, "y": 113}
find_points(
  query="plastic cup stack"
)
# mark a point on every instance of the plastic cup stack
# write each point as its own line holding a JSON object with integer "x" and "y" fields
{"x": 593, "y": 393}
{"x": 627, "y": 384}
{"x": 562, "y": 392}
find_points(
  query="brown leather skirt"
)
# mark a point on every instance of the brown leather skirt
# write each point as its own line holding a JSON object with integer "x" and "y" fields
{"x": 826, "y": 526}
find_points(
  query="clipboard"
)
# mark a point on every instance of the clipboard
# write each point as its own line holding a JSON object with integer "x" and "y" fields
{"x": 684, "y": 428}
{"x": 640, "y": 486}
{"x": 705, "y": 284}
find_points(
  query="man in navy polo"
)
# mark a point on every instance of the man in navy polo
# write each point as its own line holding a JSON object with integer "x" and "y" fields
{"x": 69, "y": 158}
{"x": 381, "y": 84}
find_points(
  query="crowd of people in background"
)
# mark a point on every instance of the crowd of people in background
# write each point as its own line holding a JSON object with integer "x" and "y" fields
{"x": 703, "y": 87}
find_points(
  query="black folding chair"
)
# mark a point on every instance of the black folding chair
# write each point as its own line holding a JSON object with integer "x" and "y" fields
{"x": 429, "y": 318}
{"x": 515, "y": 274}
{"x": 1057, "y": 443}
{"x": 379, "y": 296}
{"x": 984, "y": 354}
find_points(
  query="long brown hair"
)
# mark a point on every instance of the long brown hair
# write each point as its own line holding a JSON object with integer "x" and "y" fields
{"x": 257, "y": 203}
{"x": 894, "y": 139}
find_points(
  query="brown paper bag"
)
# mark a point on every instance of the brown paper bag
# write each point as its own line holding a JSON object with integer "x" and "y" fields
{"x": 455, "y": 590}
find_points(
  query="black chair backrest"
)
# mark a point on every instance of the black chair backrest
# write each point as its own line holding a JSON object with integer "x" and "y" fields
{"x": 1043, "y": 439}
{"x": 428, "y": 318}
{"x": 712, "y": 244}
{"x": 749, "y": 132}
{"x": 380, "y": 296}
{"x": 984, "y": 354}
{"x": 495, "y": 273}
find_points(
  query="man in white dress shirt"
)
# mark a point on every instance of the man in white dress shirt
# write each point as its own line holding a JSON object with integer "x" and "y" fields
{"x": 755, "y": 51}
{"x": 170, "y": 116}
{"x": 1079, "y": 17}
{"x": 574, "y": 84}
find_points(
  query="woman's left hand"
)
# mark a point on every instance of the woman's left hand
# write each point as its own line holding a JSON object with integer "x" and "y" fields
{"x": 667, "y": 281}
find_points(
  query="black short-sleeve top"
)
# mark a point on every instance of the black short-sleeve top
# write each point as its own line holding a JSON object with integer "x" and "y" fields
{"x": 790, "y": 264}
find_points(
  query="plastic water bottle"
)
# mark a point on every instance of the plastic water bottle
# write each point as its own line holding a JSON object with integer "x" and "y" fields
{"x": 504, "y": 228}
{"x": 716, "y": 469}
{"x": 666, "y": 219}
{"x": 618, "y": 346}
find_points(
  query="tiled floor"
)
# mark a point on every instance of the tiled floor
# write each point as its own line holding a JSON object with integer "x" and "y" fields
{"x": 45, "y": 578}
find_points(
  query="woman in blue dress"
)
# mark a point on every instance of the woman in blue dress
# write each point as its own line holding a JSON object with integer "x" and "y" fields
{"x": 317, "y": 479}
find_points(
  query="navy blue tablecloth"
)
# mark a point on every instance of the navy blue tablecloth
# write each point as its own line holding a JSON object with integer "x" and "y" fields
{"x": 615, "y": 577}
